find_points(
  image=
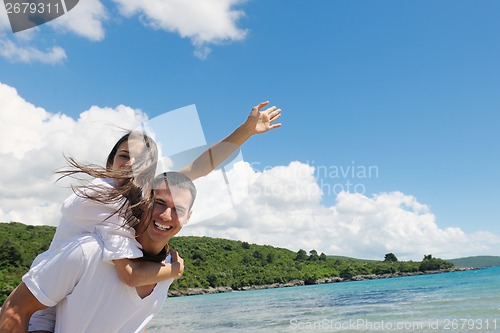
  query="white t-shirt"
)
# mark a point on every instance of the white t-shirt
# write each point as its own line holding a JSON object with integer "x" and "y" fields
{"x": 87, "y": 292}
{"x": 81, "y": 216}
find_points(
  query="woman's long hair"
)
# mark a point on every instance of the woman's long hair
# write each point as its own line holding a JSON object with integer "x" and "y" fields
{"x": 137, "y": 182}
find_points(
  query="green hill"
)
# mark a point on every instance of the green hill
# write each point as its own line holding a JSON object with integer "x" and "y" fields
{"x": 476, "y": 261}
{"x": 212, "y": 262}
{"x": 19, "y": 245}
{"x": 350, "y": 258}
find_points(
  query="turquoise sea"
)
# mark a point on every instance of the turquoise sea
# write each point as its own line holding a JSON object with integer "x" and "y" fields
{"x": 466, "y": 301}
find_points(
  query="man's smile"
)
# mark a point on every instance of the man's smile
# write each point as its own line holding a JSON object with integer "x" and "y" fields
{"x": 162, "y": 227}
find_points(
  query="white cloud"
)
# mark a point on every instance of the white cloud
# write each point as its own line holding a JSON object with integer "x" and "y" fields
{"x": 86, "y": 20}
{"x": 202, "y": 52}
{"x": 33, "y": 143}
{"x": 284, "y": 209}
{"x": 209, "y": 21}
{"x": 4, "y": 20}
{"x": 203, "y": 22}
{"x": 20, "y": 52}
{"x": 19, "y": 48}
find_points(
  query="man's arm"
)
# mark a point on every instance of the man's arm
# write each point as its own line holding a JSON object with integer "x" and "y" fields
{"x": 257, "y": 122}
{"x": 17, "y": 310}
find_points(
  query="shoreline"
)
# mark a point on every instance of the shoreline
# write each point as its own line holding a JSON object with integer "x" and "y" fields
{"x": 297, "y": 283}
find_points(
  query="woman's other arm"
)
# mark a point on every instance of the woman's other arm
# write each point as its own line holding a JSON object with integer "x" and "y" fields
{"x": 136, "y": 273}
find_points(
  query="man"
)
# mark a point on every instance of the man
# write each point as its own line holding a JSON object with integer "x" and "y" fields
{"x": 87, "y": 290}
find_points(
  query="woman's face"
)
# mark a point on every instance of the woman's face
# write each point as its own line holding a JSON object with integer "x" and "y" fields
{"x": 128, "y": 152}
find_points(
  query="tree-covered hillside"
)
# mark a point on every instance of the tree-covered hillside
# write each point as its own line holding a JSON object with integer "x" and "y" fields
{"x": 19, "y": 245}
{"x": 213, "y": 262}
{"x": 476, "y": 261}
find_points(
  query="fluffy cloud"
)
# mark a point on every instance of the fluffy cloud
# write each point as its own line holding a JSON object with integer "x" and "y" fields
{"x": 33, "y": 143}
{"x": 86, "y": 20}
{"x": 283, "y": 209}
{"x": 203, "y": 22}
{"x": 4, "y": 20}
{"x": 20, "y": 52}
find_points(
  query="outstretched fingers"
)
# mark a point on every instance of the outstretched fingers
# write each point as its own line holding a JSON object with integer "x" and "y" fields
{"x": 261, "y": 105}
{"x": 256, "y": 109}
{"x": 272, "y": 126}
{"x": 273, "y": 113}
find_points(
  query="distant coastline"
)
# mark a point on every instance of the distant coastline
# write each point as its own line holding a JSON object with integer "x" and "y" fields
{"x": 297, "y": 283}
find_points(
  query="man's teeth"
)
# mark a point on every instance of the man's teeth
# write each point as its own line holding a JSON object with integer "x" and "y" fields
{"x": 161, "y": 227}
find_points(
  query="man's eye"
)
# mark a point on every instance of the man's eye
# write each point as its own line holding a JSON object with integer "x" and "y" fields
{"x": 159, "y": 204}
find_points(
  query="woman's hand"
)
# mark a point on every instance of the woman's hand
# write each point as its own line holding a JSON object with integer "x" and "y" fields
{"x": 177, "y": 264}
{"x": 262, "y": 121}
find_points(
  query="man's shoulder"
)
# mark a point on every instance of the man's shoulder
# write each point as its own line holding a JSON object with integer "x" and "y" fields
{"x": 88, "y": 245}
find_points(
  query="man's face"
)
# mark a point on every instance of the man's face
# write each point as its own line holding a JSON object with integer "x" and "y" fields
{"x": 170, "y": 213}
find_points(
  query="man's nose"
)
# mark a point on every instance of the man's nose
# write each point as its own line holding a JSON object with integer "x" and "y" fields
{"x": 166, "y": 215}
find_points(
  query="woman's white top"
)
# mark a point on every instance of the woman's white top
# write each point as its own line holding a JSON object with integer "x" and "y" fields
{"x": 82, "y": 216}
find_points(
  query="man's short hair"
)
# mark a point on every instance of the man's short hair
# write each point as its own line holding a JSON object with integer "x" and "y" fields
{"x": 176, "y": 179}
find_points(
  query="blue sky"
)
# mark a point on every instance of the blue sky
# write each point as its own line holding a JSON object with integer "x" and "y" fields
{"x": 408, "y": 87}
